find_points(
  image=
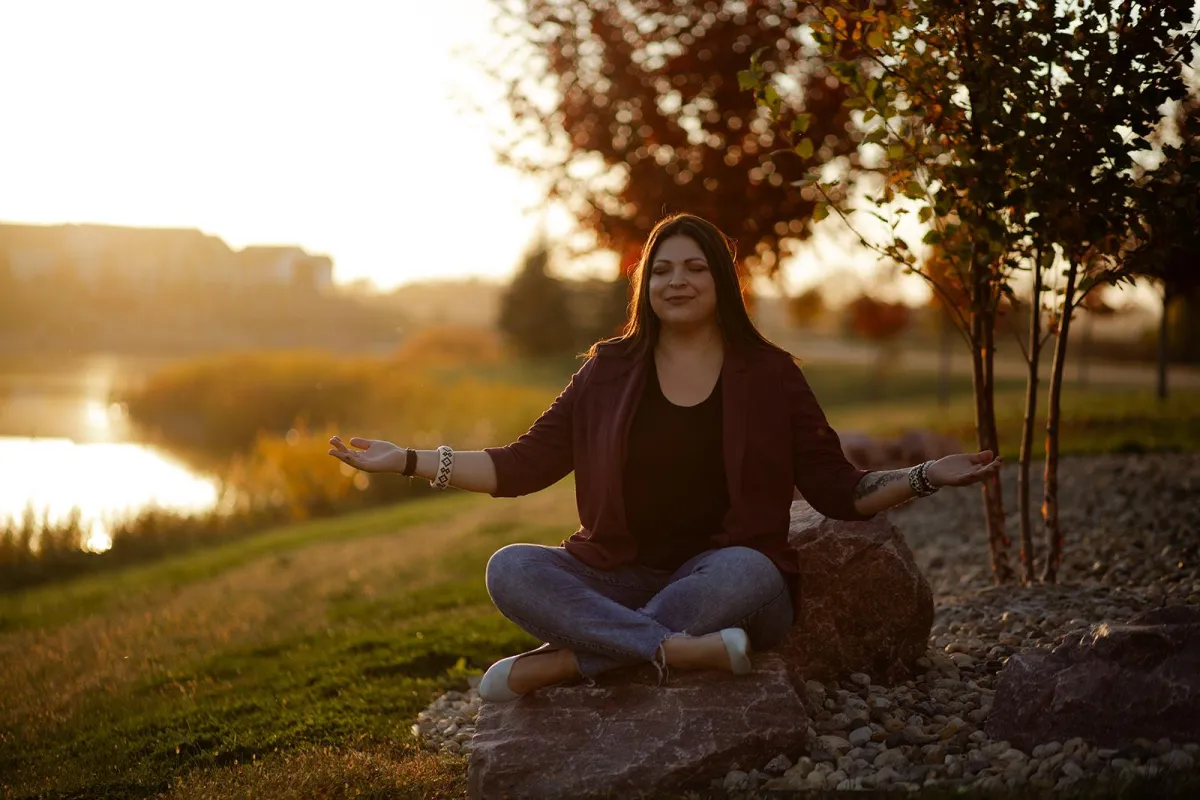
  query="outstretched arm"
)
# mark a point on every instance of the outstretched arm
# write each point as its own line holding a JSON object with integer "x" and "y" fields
{"x": 474, "y": 470}
{"x": 879, "y": 491}
{"x": 540, "y": 457}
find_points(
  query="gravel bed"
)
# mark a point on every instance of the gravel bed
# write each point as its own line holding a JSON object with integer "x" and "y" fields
{"x": 1131, "y": 526}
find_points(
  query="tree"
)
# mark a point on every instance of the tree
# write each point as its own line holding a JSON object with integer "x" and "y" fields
{"x": 534, "y": 314}
{"x": 930, "y": 113}
{"x": 805, "y": 309}
{"x": 1168, "y": 240}
{"x": 879, "y": 322}
{"x": 1106, "y": 67}
{"x": 629, "y": 111}
{"x": 998, "y": 125}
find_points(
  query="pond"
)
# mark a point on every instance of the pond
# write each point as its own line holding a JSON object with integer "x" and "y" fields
{"x": 65, "y": 445}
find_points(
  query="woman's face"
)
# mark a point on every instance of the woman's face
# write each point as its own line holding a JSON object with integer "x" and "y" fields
{"x": 682, "y": 290}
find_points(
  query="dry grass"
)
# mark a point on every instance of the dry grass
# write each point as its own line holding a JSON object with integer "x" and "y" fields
{"x": 329, "y": 773}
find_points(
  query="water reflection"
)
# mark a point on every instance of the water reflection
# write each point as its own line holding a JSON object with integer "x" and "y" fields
{"x": 65, "y": 444}
{"x": 104, "y": 480}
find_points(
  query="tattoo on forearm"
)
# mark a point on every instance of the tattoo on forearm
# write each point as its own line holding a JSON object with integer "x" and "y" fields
{"x": 874, "y": 481}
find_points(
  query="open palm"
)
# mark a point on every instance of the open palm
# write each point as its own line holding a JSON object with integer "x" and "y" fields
{"x": 372, "y": 455}
{"x": 963, "y": 469}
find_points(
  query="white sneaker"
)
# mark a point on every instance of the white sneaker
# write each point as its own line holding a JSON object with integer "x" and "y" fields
{"x": 494, "y": 685}
{"x": 737, "y": 645}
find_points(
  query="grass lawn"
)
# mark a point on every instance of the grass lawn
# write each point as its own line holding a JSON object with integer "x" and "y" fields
{"x": 1094, "y": 421}
{"x": 292, "y": 665}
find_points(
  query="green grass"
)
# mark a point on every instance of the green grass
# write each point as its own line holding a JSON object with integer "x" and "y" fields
{"x": 379, "y": 652}
{"x": 60, "y": 603}
{"x": 1096, "y": 421}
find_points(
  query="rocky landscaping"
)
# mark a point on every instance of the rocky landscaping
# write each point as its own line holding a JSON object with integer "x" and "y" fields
{"x": 955, "y": 720}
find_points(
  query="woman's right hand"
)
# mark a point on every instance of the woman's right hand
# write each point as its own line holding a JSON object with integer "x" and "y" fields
{"x": 372, "y": 455}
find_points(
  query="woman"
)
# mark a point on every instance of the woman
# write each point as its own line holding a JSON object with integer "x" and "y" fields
{"x": 688, "y": 435}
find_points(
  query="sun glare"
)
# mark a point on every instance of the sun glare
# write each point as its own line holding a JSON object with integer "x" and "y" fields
{"x": 105, "y": 481}
{"x": 342, "y": 130}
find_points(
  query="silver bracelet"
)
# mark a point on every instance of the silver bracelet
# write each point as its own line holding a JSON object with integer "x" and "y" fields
{"x": 919, "y": 482}
{"x": 445, "y": 466}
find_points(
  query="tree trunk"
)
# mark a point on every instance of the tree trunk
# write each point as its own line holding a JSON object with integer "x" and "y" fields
{"x": 945, "y": 333}
{"x": 1031, "y": 387}
{"x": 982, "y": 336}
{"x": 1162, "y": 344}
{"x": 1085, "y": 350}
{"x": 1052, "y": 532}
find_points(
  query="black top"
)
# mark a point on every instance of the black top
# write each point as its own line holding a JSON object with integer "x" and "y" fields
{"x": 674, "y": 479}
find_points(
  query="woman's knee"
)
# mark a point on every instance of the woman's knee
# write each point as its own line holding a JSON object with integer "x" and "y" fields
{"x": 748, "y": 568}
{"x": 511, "y": 572}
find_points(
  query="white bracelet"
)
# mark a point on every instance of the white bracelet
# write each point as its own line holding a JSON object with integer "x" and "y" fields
{"x": 445, "y": 458}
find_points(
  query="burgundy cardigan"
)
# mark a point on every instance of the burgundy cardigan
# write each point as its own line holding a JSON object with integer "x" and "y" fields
{"x": 775, "y": 436}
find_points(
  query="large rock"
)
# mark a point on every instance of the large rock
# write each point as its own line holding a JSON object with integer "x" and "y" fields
{"x": 627, "y": 736}
{"x": 864, "y": 604}
{"x": 1109, "y": 685}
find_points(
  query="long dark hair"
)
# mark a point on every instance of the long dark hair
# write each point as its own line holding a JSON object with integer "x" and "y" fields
{"x": 641, "y": 330}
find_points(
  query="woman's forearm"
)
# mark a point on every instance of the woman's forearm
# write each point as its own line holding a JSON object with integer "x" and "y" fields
{"x": 473, "y": 469}
{"x": 879, "y": 491}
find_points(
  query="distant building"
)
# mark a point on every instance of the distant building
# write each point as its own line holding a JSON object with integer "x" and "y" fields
{"x": 289, "y": 265}
{"x": 153, "y": 258}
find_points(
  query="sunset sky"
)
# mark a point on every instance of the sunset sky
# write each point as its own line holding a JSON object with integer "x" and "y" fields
{"x": 340, "y": 127}
{"x": 330, "y": 125}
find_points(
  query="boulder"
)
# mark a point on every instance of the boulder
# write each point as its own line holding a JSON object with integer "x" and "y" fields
{"x": 627, "y": 736}
{"x": 864, "y": 605}
{"x": 1109, "y": 684}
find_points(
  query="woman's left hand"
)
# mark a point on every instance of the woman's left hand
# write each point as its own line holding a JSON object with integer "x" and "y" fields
{"x": 963, "y": 469}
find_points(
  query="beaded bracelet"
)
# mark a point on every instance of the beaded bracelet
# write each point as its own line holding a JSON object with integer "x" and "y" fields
{"x": 918, "y": 481}
{"x": 445, "y": 466}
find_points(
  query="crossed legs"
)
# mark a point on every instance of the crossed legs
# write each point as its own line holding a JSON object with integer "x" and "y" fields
{"x": 595, "y": 620}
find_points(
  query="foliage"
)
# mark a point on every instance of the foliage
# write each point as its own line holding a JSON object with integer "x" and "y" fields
{"x": 1008, "y": 130}
{"x": 442, "y": 347}
{"x": 630, "y": 111}
{"x": 425, "y": 393}
{"x": 806, "y": 308}
{"x": 1168, "y": 246}
{"x": 877, "y": 320}
{"x": 534, "y": 314}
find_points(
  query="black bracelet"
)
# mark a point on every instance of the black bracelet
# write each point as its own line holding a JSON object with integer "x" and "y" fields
{"x": 410, "y": 462}
{"x": 919, "y": 481}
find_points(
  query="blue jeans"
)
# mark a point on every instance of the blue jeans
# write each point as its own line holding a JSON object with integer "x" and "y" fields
{"x": 614, "y": 618}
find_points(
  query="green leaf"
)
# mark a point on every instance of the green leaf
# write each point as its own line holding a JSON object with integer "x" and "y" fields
{"x": 913, "y": 190}
{"x": 805, "y": 148}
{"x": 875, "y": 39}
{"x": 924, "y": 214}
{"x": 801, "y": 122}
{"x": 820, "y": 211}
{"x": 749, "y": 80}
{"x": 932, "y": 237}
{"x": 895, "y": 152}
{"x": 771, "y": 94}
